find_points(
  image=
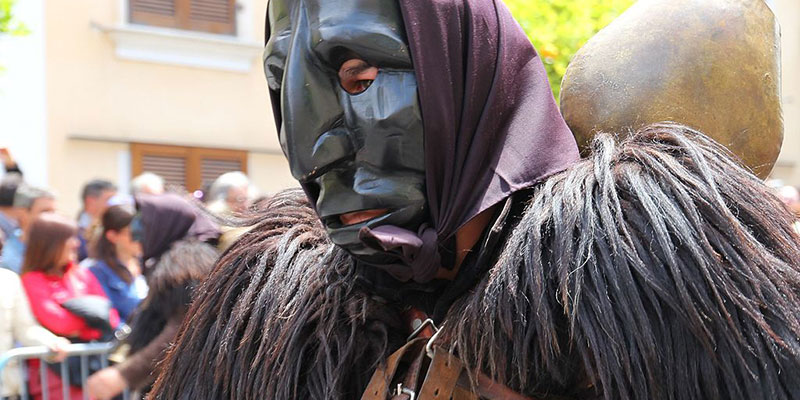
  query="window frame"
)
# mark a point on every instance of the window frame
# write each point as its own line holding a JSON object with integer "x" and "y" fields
{"x": 194, "y": 157}
{"x": 238, "y": 53}
{"x": 182, "y": 21}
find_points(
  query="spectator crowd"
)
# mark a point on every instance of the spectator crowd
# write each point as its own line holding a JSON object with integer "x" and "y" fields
{"x": 124, "y": 270}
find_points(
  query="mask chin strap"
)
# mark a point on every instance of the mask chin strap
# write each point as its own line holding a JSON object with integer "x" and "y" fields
{"x": 397, "y": 282}
{"x": 418, "y": 252}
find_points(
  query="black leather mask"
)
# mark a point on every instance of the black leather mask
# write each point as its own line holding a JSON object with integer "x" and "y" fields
{"x": 352, "y": 148}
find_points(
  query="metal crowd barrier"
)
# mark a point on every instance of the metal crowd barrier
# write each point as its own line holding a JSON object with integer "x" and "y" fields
{"x": 22, "y": 354}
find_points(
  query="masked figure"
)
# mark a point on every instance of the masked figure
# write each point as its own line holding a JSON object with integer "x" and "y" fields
{"x": 439, "y": 181}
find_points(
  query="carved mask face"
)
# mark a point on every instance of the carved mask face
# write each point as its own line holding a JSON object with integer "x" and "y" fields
{"x": 351, "y": 124}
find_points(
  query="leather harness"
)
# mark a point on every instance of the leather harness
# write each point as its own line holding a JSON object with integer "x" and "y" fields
{"x": 445, "y": 376}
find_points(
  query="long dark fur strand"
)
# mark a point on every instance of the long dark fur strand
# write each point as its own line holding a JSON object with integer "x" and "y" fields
{"x": 280, "y": 318}
{"x": 657, "y": 268}
{"x": 173, "y": 280}
{"x": 658, "y": 265}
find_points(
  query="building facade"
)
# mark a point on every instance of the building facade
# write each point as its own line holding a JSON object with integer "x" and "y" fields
{"x": 111, "y": 88}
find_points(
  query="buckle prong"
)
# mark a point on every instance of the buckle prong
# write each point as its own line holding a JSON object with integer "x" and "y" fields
{"x": 421, "y": 327}
{"x": 404, "y": 390}
{"x": 429, "y": 345}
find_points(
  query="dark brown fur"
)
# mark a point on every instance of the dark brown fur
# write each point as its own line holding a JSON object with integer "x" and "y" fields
{"x": 172, "y": 284}
{"x": 655, "y": 269}
{"x": 280, "y": 318}
{"x": 658, "y": 265}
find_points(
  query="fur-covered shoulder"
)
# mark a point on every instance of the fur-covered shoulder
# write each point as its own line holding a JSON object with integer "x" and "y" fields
{"x": 279, "y": 318}
{"x": 171, "y": 284}
{"x": 655, "y": 269}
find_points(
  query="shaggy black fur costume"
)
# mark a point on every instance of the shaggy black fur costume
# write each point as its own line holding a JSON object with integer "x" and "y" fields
{"x": 657, "y": 268}
{"x": 172, "y": 283}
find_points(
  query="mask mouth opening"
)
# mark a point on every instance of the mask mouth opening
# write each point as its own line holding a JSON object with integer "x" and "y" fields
{"x": 357, "y": 217}
{"x": 354, "y": 218}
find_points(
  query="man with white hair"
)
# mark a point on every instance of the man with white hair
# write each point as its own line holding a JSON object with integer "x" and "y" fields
{"x": 230, "y": 193}
{"x": 148, "y": 183}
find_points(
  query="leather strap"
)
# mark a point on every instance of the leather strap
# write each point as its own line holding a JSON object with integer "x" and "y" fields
{"x": 378, "y": 387}
{"x": 410, "y": 381}
{"x": 490, "y": 389}
{"x": 461, "y": 393}
{"x": 442, "y": 377}
{"x": 447, "y": 375}
{"x": 446, "y": 378}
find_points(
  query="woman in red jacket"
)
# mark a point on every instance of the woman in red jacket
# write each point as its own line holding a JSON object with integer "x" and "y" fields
{"x": 52, "y": 278}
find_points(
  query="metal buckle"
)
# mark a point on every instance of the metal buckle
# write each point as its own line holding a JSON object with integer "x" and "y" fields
{"x": 429, "y": 345}
{"x": 421, "y": 327}
{"x": 404, "y": 390}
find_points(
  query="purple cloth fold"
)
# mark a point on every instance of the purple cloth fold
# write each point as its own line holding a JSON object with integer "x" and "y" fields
{"x": 416, "y": 250}
{"x": 491, "y": 123}
{"x": 168, "y": 218}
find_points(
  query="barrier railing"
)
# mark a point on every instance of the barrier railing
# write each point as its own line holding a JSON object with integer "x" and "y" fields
{"x": 83, "y": 350}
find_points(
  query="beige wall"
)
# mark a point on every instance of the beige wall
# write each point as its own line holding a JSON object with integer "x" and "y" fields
{"x": 262, "y": 169}
{"x": 80, "y": 162}
{"x": 788, "y": 168}
{"x": 92, "y": 93}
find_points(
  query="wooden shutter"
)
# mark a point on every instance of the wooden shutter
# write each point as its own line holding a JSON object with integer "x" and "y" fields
{"x": 213, "y": 16}
{"x": 173, "y": 163}
{"x": 172, "y": 169}
{"x": 154, "y": 12}
{"x": 212, "y": 168}
{"x": 186, "y": 168}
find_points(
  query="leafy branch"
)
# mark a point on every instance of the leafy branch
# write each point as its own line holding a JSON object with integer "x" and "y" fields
{"x": 559, "y": 28}
{"x": 9, "y": 25}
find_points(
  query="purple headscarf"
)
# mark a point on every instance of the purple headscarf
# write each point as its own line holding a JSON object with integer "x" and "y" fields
{"x": 490, "y": 120}
{"x": 168, "y": 218}
{"x": 491, "y": 124}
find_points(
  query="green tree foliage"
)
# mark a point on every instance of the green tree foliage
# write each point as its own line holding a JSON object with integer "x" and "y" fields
{"x": 558, "y": 28}
{"x": 8, "y": 24}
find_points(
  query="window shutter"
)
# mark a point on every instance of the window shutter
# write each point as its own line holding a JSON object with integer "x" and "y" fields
{"x": 172, "y": 169}
{"x": 186, "y": 168}
{"x": 154, "y": 12}
{"x": 212, "y": 168}
{"x": 215, "y": 16}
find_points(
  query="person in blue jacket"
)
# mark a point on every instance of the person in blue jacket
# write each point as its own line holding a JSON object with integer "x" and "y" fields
{"x": 116, "y": 261}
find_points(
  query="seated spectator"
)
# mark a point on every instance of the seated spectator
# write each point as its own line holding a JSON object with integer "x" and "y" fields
{"x": 58, "y": 289}
{"x": 147, "y": 183}
{"x": 29, "y": 203}
{"x": 95, "y": 196}
{"x": 116, "y": 262}
{"x": 18, "y": 325}
{"x": 177, "y": 242}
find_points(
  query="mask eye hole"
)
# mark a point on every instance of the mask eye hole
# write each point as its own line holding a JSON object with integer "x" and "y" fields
{"x": 356, "y": 75}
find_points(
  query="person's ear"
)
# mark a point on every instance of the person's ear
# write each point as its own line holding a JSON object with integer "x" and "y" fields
{"x": 112, "y": 236}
